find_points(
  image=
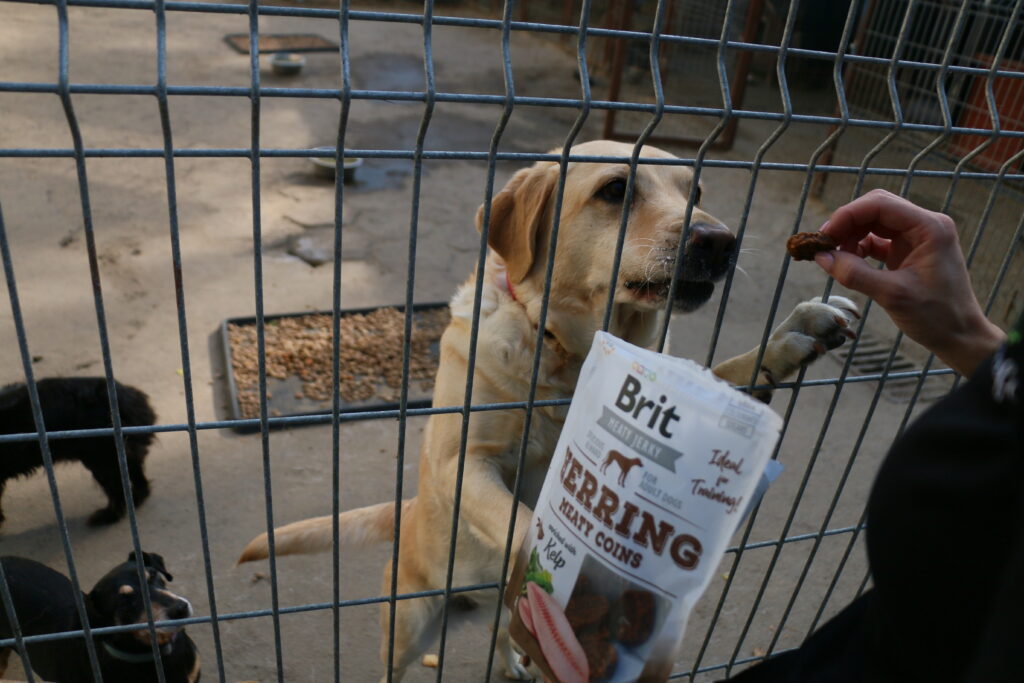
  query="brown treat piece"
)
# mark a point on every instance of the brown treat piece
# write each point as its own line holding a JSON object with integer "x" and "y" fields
{"x": 601, "y": 654}
{"x": 583, "y": 586}
{"x": 804, "y": 245}
{"x": 586, "y": 610}
{"x": 637, "y": 621}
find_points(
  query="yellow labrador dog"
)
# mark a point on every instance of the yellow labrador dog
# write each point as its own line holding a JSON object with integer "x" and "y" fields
{"x": 519, "y": 240}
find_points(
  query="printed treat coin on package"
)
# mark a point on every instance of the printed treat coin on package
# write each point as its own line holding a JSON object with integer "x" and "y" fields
{"x": 655, "y": 467}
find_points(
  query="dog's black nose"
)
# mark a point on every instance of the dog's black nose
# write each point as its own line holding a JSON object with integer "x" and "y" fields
{"x": 710, "y": 251}
{"x": 179, "y": 610}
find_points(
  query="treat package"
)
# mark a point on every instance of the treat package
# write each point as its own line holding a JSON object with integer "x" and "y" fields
{"x": 655, "y": 467}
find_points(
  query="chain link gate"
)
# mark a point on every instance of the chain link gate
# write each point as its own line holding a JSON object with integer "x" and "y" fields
{"x": 927, "y": 103}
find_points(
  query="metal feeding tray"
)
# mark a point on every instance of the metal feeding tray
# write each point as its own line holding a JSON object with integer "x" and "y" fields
{"x": 299, "y": 366}
{"x": 282, "y": 42}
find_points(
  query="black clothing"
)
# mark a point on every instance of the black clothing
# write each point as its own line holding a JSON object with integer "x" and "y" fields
{"x": 945, "y": 543}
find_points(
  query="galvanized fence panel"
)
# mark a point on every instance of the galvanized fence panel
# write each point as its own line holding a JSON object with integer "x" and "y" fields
{"x": 897, "y": 64}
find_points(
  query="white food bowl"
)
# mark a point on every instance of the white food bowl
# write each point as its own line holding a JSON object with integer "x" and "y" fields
{"x": 287, "y": 63}
{"x": 324, "y": 165}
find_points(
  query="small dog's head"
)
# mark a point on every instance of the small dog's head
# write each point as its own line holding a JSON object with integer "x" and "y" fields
{"x": 118, "y": 598}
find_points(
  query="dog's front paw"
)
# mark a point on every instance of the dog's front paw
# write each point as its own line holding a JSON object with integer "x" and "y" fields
{"x": 812, "y": 329}
{"x": 104, "y": 517}
{"x": 517, "y": 664}
{"x": 515, "y": 671}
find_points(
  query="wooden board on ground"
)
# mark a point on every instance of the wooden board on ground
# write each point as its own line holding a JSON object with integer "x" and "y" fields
{"x": 282, "y": 42}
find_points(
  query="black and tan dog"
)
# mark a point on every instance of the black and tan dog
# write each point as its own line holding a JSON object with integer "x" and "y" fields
{"x": 44, "y": 602}
{"x": 78, "y": 403}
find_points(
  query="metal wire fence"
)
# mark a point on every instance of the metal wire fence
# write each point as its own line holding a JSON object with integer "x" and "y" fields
{"x": 905, "y": 101}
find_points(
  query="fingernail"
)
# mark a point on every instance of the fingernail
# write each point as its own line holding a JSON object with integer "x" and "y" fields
{"x": 825, "y": 259}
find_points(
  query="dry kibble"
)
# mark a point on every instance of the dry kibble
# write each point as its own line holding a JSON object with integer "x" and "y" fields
{"x": 370, "y": 356}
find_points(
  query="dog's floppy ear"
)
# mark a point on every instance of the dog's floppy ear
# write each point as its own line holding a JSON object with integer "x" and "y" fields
{"x": 516, "y": 214}
{"x": 152, "y": 561}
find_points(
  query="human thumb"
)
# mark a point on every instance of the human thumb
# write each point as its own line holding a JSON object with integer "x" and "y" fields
{"x": 853, "y": 272}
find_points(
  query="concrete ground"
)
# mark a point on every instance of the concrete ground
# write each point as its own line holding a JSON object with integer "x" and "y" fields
{"x": 43, "y": 217}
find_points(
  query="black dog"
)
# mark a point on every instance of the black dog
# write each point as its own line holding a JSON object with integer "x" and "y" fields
{"x": 44, "y": 602}
{"x": 78, "y": 403}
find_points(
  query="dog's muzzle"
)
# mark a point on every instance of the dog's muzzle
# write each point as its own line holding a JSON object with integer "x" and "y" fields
{"x": 710, "y": 253}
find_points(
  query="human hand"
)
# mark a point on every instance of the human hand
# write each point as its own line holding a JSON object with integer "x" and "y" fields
{"x": 925, "y": 287}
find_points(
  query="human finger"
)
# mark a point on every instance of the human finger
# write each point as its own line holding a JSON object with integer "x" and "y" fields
{"x": 853, "y": 272}
{"x": 878, "y": 212}
{"x": 874, "y": 247}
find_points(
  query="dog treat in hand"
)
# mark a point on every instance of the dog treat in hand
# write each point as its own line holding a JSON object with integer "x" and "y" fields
{"x": 655, "y": 467}
{"x": 804, "y": 245}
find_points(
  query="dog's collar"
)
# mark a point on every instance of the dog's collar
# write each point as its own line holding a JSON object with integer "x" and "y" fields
{"x": 136, "y": 657}
{"x": 508, "y": 286}
{"x": 500, "y": 276}
{"x": 503, "y": 281}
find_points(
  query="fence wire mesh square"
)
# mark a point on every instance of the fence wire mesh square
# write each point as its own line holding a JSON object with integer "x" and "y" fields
{"x": 134, "y": 229}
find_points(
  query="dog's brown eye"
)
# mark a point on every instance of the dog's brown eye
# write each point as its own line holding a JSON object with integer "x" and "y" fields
{"x": 613, "y": 191}
{"x": 696, "y": 196}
